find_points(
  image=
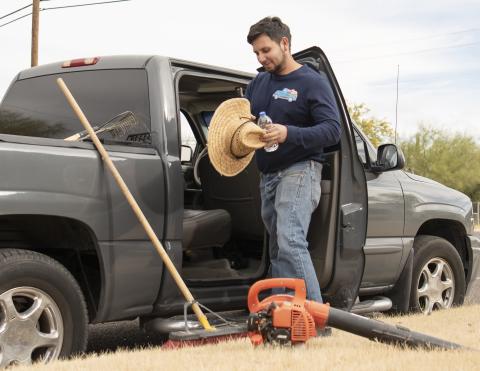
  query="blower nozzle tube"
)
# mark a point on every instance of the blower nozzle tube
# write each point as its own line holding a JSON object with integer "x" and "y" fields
{"x": 384, "y": 332}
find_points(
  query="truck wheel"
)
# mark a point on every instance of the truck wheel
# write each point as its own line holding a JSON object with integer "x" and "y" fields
{"x": 43, "y": 315}
{"x": 438, "y": 278}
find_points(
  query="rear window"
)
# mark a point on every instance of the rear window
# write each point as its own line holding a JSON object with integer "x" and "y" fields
{"x": 37, "y": 107}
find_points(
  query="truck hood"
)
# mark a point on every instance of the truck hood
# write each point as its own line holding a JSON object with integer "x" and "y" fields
{"x": 428, "y": 191}
{"x": 419, "y": 178}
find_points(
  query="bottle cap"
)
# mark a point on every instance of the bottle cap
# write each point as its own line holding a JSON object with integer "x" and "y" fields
{"x": 263, "y": 113}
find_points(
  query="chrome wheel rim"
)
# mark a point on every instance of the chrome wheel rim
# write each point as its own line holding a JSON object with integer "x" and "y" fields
{"x": 31, "y": 327}
{"x": 435, "y": 286}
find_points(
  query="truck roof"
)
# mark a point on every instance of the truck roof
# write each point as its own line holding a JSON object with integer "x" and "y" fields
{"x": 104, "y": 63}
{"x": 123, "y": 62}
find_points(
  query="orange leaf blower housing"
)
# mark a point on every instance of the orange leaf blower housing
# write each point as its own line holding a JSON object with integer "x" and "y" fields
{"x": 284, "y": 319}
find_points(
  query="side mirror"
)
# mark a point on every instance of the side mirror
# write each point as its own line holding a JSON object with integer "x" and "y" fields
{"x": 186, "y": 154}
{"x": 389, "y": 157}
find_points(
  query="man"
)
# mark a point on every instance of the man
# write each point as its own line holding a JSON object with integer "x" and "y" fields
{"x": 305, "y": 118}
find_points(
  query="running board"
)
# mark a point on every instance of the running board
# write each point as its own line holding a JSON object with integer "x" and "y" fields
{"x": 177, "y": 323}
{"x": 377, "y": 304}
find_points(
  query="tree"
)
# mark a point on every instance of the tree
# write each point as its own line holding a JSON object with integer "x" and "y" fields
{"x": 376, "y": 130}
{"x": 451, "y": 159}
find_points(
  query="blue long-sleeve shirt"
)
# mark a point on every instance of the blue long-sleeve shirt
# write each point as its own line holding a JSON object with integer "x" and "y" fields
{"x": 303, "y": 101}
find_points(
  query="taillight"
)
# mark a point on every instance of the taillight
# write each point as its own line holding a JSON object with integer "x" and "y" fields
{"x": 80, "y": 62}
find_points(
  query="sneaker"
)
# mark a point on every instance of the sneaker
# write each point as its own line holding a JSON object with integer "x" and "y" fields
{"x": 324, "y": 332}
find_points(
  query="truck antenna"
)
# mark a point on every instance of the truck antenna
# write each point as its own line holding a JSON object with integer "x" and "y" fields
{"x": 396, "y": 104}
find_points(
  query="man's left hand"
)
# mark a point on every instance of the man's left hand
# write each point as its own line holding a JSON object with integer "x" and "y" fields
{"x": 276, "y": 133}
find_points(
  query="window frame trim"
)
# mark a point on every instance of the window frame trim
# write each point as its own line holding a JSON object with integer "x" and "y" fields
{"x": 367, "y": 144}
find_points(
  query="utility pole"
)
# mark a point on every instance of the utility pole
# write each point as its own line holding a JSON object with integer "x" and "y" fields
{"x": 35, "y": 27}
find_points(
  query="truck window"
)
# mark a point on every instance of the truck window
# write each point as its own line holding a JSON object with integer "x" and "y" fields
{"x": 36, "y": 107}
{"x": 187, "y": 139}
{"x": 360, "y": 148}
{"x": 364, "y": 146}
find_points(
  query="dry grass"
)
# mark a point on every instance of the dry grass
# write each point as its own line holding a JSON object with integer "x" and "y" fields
{"x": 341, "y": 351}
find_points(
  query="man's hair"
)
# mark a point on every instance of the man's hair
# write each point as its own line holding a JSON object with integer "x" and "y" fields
{"x": 273, "y": 27}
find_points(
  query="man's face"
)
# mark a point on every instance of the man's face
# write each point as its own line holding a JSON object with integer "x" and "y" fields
{"x": 271, "y": 55}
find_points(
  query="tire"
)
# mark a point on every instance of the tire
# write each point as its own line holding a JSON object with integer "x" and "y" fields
{"x": 43, "y": 315}
{"x": 438, "y": 278}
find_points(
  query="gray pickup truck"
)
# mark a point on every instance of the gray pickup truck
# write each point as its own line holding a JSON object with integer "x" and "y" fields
{"x": 72, "y": 251}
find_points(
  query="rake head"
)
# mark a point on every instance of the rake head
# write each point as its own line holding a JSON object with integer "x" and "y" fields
{"x": 123, "y": 127}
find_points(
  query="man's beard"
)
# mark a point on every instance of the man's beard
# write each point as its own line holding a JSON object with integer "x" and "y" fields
{"x": 280, "y": 66}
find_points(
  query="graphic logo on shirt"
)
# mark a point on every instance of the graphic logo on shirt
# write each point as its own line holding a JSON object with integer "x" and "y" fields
{"x": 288, "y": 94}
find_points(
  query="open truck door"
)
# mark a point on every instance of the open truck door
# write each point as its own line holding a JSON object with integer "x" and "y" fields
{"x": 338, "y": 228}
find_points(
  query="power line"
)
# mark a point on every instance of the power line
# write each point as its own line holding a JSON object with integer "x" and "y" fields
{"x": 56, "y": 7}
{"x": 428, "y": 37}
{"x": 410, "y": 53}
{"x": 16, "y": 19}
{"x": 78, "y": 5}
{"x": 442, "y": 34}
{"x": 16, "y": 11}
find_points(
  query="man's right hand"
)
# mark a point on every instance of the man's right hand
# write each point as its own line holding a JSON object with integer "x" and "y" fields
{"x": 276, "y": 133}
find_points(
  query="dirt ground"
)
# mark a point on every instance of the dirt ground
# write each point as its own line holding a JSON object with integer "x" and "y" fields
{"x": 341, "y": 351}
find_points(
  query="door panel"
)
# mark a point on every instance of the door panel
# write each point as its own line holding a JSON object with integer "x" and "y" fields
{"x": 350, "y": 206}
{"x": 384, "y": 246}
{"x": 382, "y": 260}
{"x": 386, "y": 213}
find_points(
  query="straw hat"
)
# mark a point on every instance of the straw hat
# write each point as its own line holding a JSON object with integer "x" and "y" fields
{"x": 233, "y": 137}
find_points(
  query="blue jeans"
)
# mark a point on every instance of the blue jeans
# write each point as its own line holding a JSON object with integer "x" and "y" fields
{"x": 289, "y": 197}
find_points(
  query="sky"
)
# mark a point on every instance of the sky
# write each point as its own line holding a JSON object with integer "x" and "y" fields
{"x": 434, "y": 44}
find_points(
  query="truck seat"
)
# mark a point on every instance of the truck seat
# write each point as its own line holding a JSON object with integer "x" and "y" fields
{"x": 205, "y": 228}
{"x": 239, "y": 195}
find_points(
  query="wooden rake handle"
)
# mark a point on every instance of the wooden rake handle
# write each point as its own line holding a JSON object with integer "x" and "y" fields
{"x": 136, "y": 209}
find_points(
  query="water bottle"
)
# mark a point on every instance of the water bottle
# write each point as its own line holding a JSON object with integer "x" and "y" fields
{"x": 263, "y": 121}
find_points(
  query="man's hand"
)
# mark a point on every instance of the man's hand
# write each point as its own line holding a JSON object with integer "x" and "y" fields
{"x": 276, "y": 133}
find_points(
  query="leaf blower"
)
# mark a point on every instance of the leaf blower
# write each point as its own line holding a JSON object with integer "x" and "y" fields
{"x": 291, "y": 319}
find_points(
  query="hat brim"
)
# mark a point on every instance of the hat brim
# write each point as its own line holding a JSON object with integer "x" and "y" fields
{"x": 229, "y": 114}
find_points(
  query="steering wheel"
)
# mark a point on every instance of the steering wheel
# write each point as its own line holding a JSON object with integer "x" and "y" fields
{"x": 196, "y": 176}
